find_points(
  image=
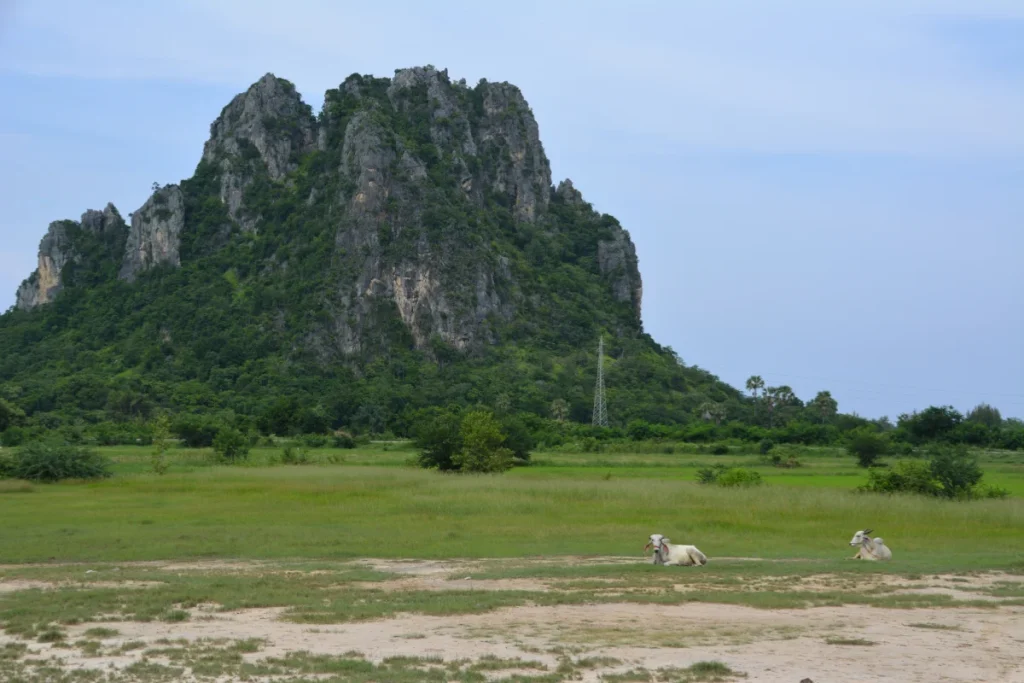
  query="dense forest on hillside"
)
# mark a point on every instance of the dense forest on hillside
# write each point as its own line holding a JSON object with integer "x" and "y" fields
{"x": 404, "y": 249}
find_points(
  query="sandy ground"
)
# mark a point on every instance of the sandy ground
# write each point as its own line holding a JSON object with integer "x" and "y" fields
{"x": 906, "y": 645}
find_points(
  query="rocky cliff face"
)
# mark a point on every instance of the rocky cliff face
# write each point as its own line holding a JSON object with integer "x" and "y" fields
{"x": 155, "y": 235}
{"x": 266, "y": 129}
{"x": 413, "y": 199}
{"x": 59, "y": 247}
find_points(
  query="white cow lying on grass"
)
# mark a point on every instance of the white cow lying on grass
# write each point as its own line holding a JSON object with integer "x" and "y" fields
{"x": 668, "y": 554}
{"x": 870, "y": 548}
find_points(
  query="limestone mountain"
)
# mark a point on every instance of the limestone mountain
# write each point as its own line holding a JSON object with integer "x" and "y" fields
{"x": 405, "y": 247}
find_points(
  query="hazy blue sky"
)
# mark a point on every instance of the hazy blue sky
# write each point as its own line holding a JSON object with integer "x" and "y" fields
{"x": 832, "y": 198}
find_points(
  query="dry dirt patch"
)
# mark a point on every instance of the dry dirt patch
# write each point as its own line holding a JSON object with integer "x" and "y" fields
{"x": 822, "y": 643}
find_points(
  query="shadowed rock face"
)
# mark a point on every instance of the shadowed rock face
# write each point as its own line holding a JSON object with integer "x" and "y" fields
{"x": 58, "y": 248}
{"x": 416, "y": 182}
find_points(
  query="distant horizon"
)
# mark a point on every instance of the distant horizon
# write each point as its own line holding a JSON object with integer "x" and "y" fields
{"x": 836, "y": 214}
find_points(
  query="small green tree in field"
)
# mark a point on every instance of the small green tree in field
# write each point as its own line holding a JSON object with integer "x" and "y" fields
{"x": 483, "y": 447}
{"x": 438, "y": 437}
{"x": 161, "y": 433}
{"x": 231, "y": 445}
{"x": 866, "y": 445}
{"x": 956, "y": 470}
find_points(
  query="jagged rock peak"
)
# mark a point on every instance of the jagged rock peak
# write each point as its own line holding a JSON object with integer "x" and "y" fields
{"x": 508, "y": 122}
{"x": 155, "y": 235}
{"x": 270, "y": 118}
{"x": 569, "y": 194}
{"x": 56, "y": 250}
{"x": 102, "y": 222}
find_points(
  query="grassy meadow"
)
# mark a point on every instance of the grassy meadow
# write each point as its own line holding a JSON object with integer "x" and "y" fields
{"x": 370, "y": 502}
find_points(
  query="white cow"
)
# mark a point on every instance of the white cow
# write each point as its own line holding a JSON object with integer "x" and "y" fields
{"x": 870, "y": 548}
{"x": 668, "y": 554}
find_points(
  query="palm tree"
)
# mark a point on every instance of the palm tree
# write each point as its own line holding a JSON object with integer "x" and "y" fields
{"x": 773, "y": 398}
{"x": 825, "y": 405}
{"x": 754, "y": 384}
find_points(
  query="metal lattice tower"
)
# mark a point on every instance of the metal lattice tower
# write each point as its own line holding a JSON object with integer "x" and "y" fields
{"x": 600, "y": 407}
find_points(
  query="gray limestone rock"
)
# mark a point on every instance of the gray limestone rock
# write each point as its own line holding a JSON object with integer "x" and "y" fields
{"x": 57, "y": 249}
{"x": 155, "y": 234}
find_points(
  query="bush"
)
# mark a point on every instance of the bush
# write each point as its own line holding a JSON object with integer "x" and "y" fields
{"x": 295, "y": 456}
{"x": 709, "y": 475}
{"x": 195, "y": 431}
{"x": 591, "y": 445}
{"x": 474, "y": 442}
{"x": 483, "y": 447}
{"x": 314, "y": 440}
{"x": 728, "y": 476}
{"x": 639, "y": 430}
{"x": 720, "y": 449}
{"x": 343, "y": 440}
{"x": 989, "y": 491}
{"x": 905, "y": 476}
{"x": 438, "y": 439}
{"x": 517, "y": 438}
{"x": 956, "y": 470}
{"x": 231, "y": 445}
{"x": 950, "y": 472}
{"x": 765, "y": 446}
{"x": 49, "y": 462}
{"x": 866, "y": 445}
{"x": 738, "y": 476}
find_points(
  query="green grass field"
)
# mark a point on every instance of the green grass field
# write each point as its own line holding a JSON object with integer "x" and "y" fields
{"x": 123, "y": 575}
{"x": 373, "y": 504}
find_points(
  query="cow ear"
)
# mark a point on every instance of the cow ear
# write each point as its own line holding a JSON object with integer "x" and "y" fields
{"x": 868, "y": 531}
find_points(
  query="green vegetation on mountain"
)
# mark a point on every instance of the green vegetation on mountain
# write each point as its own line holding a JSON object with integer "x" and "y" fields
{"x": 404, "y": 250}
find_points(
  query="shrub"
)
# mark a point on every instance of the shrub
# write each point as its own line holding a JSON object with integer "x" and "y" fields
{"x": 720, "y": 449}
{"x": 956, "y": 470}
{"x": 782, "y": 459}
{"x": 483, "y": 442}
{"x": 765, "y": 446}
{"x": 639, "y": 430}
{"x": 343, "y": 440}
{"x": 950, "y": 472}
{"x": 709, "y": 475}
{"x": 728, "y": 476}
{"x": 49, "y": 462}
{"x": 517, "y": 438}
{"x": 195, "y": 431}
{"x": 905, "y": 476}
{"x": 990, "y": 491}
{"x": 295, "y": 456}
{"x": 739, "y": 476}
{"x": 438, "y": 439}
{"x": 231, "y": 445}
{"x": 866, "y": 445}
{"x": 591, "y": 445}
{"x": 314, "y": 440}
